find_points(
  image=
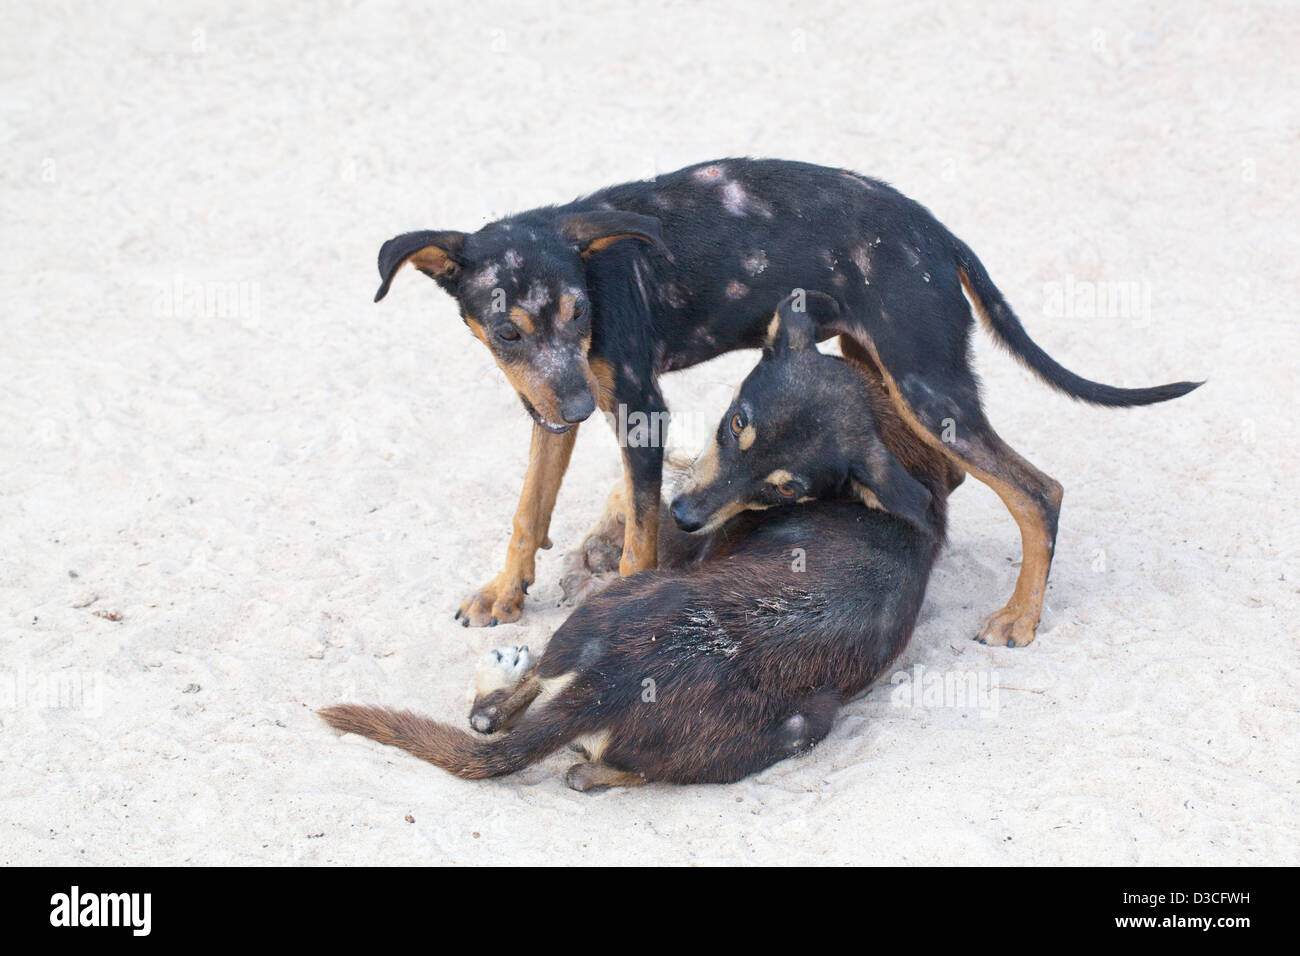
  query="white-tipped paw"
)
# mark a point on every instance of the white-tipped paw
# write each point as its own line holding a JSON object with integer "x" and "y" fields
{"x": 501, "y": 668}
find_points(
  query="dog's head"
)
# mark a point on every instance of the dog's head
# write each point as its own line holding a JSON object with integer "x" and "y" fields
{"x": 521, "y": 287}
{"x": 800, "y": 427}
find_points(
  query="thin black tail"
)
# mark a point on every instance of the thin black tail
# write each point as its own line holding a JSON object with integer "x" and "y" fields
{"x": 1004, "y": 325}
{"x": 454, "y": 750}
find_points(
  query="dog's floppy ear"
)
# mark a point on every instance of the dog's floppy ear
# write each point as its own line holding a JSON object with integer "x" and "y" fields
{"x": 882, "y": 482}
{"x": 436, "y": 254}
{"x": 798, "y": 316}
{"x": 593, "y": 231}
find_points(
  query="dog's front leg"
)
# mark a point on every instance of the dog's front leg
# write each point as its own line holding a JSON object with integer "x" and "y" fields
{"x": 643, "y": 472}
{"x": 643, "y": 469}
{"x": 502, "y": 599}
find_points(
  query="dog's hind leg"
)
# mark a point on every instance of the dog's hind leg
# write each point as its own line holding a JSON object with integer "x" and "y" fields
{"x": 807, "y": 727}
{"x": 944, "y": 410}
{"x": 755, "y": 747}
{"x": 591, "y": 566}
{"x": 590, "y": 776}
{"x": 1034, "y": 500}
{"x": 506, "y": 683}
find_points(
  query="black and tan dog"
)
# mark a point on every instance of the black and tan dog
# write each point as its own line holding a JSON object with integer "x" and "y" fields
{"x": 739, "y": 650}
{"x": 575, "y": 318}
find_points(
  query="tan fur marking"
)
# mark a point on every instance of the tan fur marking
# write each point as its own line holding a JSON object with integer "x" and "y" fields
{"x": 772, "y": 328}
{"x": 705, "y": 469}
{"x": 976, "y": 301}
{"x": 603, "y": 373}
{"x": 567, "y": 306}
{"x": 476, "y": 327}
{"x": 747, "y": 437}
{"x": 588, "y": 776}
{"x": 729, "y": 511}
{"x": 641, "y": 535}
{"x": 432, "y": 261}
{"x": 593, "y": 744}
{"x": 868, "y": 497}
{"x": 597, "y": 245}
{"x": 522, "y": 319}
{"x": 552, "y": 686}
{"x": 898, "y": 434}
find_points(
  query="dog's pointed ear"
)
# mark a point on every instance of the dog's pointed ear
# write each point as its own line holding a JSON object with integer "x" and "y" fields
{"x": 797, "y": 318}
{"x": 593, "y": 231}
{"x": 436, "y": 254}
{"x": 881, "y": 482}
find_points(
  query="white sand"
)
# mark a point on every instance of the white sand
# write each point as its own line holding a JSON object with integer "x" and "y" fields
{"x": 287, "y": 499}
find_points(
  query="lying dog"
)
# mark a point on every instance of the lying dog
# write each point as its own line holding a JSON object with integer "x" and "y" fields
{"x": 577, "y": 318}
{"x": 740, "y": 649}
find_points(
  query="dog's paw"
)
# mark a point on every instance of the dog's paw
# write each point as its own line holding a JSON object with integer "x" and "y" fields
{"x": 500, "y": 669}
{"x": 585, "y": 777}
{"x": 578, "y": 585}
{"x": 1009, "y": 627}
{"x": 499, "y": 602}
{"x": 499, "y": 672}
{"x": 591, "y": 567}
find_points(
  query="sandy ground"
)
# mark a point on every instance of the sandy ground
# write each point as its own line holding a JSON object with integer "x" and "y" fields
{"x": 284, "y": 490}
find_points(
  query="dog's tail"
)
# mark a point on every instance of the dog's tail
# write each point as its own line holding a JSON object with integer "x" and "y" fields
{"x": 455, "y": 750}
{"x": 1003, "y": 324}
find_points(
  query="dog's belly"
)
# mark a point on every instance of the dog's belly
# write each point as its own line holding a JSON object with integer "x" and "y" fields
{"x": 715, "y": 327}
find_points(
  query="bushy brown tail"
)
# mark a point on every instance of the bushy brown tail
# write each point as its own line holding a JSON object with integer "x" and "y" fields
{"x": 455, "y": 750}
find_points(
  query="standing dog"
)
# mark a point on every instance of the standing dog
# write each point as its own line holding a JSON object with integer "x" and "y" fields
{"x": 739, "y": 650}
{"x": 577, "y": 318}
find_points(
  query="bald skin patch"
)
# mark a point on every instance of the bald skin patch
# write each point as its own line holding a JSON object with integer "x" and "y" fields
{"x": 486, "y": 278}
{"x": 536, "y": 299}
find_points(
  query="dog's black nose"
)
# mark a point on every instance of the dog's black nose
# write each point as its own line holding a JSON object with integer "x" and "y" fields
{"x": 682, "y": 515}
{"x": 577, "y": 408}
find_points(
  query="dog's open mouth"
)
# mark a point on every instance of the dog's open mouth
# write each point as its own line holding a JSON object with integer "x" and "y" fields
{"x": 550, "y": 426}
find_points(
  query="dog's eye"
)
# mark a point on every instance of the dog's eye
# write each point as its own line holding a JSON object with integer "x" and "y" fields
{"x": 509, "y": 333}
{"x": 579, "y": 312}
{"x": 737, "y": 424}
{"x": 786, "y": 489}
